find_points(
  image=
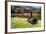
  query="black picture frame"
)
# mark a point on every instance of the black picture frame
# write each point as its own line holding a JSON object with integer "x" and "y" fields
{"x": 22, "y": 2}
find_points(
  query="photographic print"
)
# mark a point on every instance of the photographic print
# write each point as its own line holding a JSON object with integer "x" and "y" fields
{"x": 25, "y": 16}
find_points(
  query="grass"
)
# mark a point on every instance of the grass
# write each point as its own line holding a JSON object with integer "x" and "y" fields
{"x": 17, "y": 22}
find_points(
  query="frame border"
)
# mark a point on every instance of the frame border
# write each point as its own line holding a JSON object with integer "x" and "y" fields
{"x": 22, "y": 2}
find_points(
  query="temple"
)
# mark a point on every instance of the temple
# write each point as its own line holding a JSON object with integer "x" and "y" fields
{"x": 22, "y": 12}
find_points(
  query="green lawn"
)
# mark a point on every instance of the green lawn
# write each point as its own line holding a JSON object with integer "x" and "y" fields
{"x": 17, "y": 22}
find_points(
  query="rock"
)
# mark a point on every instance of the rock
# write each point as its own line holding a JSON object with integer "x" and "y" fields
{"x": 32, "y": 21}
